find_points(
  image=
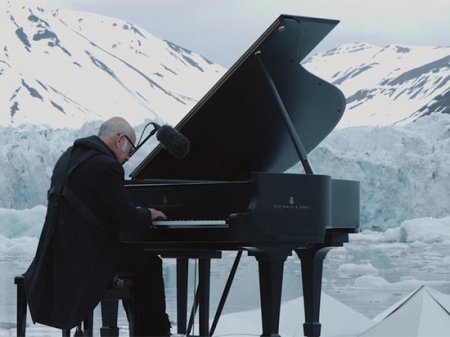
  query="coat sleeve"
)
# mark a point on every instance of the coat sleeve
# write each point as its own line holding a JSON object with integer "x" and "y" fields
{"x": 120, "y": 212}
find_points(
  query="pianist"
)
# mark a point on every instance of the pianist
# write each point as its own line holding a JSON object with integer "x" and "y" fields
{"x": 79, "y": 250}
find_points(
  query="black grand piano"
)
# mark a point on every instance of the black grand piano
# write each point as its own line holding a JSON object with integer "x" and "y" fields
{"x": 231, "y": 193}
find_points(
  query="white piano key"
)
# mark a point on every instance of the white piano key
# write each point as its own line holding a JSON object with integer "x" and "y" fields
{"x": 190, "y": 224}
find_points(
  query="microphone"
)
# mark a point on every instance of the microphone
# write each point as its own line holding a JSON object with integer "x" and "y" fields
{"x": 173, "y": 141}
{"x": 169, "y": 138}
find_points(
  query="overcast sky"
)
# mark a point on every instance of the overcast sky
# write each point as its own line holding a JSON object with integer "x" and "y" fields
{"x": 223, "y": 30}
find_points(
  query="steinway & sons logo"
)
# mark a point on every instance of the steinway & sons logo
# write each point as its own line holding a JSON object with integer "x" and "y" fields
{"x": 291, "y": 205}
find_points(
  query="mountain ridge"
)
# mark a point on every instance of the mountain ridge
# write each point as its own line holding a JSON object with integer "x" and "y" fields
{"x": 386, "y": 85}
{"x": 65, "y": 68}
{"x": 74, "y": 67}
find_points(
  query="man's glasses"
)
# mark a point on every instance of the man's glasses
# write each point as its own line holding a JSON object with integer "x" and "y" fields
{"x": 133, "y": 148}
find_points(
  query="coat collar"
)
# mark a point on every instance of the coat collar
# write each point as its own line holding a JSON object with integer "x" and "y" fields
{"x": 94, "y": 143}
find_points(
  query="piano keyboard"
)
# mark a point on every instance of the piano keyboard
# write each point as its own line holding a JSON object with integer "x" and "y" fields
{"x": 190, "y": 224}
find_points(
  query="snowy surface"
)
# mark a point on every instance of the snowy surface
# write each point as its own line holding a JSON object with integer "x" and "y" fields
{"x": 248, "y": 322}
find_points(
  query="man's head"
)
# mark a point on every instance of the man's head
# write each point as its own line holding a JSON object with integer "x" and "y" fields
{"x": 119, "y": 136}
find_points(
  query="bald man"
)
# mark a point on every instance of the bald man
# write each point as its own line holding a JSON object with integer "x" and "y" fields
{"x": 79, "y": 249}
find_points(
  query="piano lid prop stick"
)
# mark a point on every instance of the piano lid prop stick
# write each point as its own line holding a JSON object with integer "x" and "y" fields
{"x": 292, "y": 132}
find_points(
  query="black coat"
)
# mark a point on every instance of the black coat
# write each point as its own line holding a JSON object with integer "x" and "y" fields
{"x": 76, "y": 258}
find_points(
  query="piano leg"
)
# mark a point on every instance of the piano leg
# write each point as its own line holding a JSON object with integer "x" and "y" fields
{"x": 312, "y": 265}
{"x": 201, "y": 298}
{"x": 271, "y": 264}
{"x": 204, "y": 273}
{"x": 182, "y": 285}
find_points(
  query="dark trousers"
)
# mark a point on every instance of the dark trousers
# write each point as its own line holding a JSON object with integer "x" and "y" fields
{"x": 149, "y": 301}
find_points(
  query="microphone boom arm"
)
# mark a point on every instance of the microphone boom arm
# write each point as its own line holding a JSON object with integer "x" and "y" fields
{"x": 156, "y": 127}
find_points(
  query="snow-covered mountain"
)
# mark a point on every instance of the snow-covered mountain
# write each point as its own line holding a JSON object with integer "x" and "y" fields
{"x": 386, "y": 85}
{"x": 61, "y": 69}
{"x": 64, "y": 68}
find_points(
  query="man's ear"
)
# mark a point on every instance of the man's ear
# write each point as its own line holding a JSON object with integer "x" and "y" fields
{"x": 123, "y": 147}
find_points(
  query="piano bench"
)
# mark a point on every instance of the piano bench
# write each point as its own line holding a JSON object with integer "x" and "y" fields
{"x": 120, "y": 289}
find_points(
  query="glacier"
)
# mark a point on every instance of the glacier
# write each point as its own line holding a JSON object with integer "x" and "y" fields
{"x": 403, "y": 170}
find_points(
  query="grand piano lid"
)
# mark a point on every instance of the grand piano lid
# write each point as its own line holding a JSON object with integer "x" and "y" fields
{"x": 237, "y": 127}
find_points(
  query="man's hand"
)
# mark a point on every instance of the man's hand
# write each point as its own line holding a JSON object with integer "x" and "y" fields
{"x": 157, "y": 215}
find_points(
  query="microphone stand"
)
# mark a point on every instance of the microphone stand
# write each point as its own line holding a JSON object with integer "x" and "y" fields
{"x": 156, "y": 127}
